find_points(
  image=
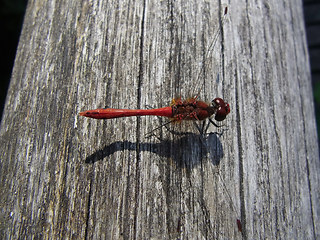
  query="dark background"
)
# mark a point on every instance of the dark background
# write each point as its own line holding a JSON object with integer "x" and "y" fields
{"x": 312, "y": 21}
{"x": 12, "y": 13}
{"x": 11, "y": 19}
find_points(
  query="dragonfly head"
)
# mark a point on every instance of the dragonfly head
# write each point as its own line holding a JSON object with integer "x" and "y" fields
{"x": 222, "y": 109}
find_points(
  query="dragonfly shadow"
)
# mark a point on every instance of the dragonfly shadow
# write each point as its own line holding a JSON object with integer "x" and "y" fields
{"x": 187, "y": 151}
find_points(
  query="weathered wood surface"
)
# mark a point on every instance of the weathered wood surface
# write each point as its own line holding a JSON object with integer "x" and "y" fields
{"x": 68, "y": 177}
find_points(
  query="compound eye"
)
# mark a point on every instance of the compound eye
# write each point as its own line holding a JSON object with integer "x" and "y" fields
{"x": 217, "y": 102}
{"x": 223, "y": 109}
{"x": 220, "y": 114}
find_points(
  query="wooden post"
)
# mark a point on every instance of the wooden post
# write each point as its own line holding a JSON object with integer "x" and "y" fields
{"x": 64, "y": 176}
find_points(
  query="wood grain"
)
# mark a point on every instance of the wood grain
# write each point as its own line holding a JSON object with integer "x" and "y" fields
{"x": 68, "y": 177}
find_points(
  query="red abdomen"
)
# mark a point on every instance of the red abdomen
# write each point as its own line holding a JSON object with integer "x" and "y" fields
{"x": 109, "y": 113}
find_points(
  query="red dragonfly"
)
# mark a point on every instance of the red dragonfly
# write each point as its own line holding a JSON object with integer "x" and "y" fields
{"x": 190, "y": 109}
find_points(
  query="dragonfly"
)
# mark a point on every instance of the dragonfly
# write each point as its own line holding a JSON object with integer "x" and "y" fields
{"x": 190, "y": 109}
{"x": 179, "y": 110}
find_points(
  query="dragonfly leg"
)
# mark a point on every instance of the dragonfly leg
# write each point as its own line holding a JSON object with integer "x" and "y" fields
{"x": 203, "y": 128}
{"x": 215, "y": 123}
{"x": 207, "y": 127}
{"x": 200, "y": 129}
{"x": 152, "y": 132}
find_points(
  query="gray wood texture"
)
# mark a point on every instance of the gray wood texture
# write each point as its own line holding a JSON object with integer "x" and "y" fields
{"x": 68, "y": 177}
